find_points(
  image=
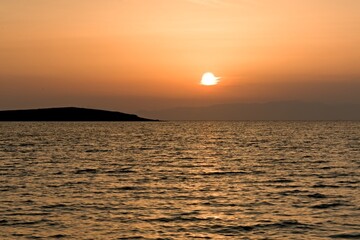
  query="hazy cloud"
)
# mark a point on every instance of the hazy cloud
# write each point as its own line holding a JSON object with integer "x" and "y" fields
{"x": 217, "y": 3}
{"x": 206, "y": 2}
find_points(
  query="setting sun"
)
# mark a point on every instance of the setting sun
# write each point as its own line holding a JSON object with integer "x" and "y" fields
{"x": 209, "y": 79}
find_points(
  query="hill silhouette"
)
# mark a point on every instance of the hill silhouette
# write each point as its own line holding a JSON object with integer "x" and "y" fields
{"x": 67, "y": 114}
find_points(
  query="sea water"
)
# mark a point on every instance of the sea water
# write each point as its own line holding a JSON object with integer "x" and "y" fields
{"x": 180, "y": 180}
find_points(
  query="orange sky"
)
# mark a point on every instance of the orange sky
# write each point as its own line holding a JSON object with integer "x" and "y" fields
{"x": 150, "y": 54}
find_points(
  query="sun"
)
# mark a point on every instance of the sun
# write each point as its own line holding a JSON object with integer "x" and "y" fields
{"x": 209, "y": 79}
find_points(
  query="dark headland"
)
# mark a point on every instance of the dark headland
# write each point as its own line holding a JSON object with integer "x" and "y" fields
{"x": 67, "y": 114}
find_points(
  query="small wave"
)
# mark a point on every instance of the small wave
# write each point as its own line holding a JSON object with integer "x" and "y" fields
{"x": 325, "y": 186}
{"x": 3, "y": 222}
{"x": 9, "y": 150}
{"x": 282, "y": 180}
{"x": 26, "y": 144}
{"x": 186, "y": 158}
{"x": 286, "y": 186}
{"x": 97, "y": 150}
{"x": 346, "y": 235}
{"x": 224, "y": 173}
{"x": 180, "y": 218}
{"x": 17, "y": 223}
{"x": 285, "y": 224}
{"x": 349, "y": 182}
{"x": 129, "y": 238}
{"x": 122, "y": 170}
{"x": 32, "y": 214}
{"x": 241, "y": 228}
{"x": 59, "y": 205}
{"x": 292, "y": 192}
{"x": 88, "y": 170}
{"x": 18, "y": 234}
{"x": 34, "y": 237}
{"x": 328, "y": 205}
{"x": 317, "y": 195}
{"x": 128, "y": 188}
{"x": 234, "y": 229}
{"x": 326, "y": 167}
{"x": 58, "y": 236}
{"x": 8, "y": 188}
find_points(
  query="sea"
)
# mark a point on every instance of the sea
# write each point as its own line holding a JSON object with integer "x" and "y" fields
{"x": 180, "y": 180}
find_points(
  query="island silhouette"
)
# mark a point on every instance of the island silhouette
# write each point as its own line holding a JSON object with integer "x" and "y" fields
{"x": 68, "y": 114}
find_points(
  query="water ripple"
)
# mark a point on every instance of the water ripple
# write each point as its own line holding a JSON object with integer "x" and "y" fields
{"x": 180, "y": 180}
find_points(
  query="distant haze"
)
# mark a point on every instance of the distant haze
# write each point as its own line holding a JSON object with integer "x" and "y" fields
{"x": 262, "y": 111}
{"x": 149, "y": 55}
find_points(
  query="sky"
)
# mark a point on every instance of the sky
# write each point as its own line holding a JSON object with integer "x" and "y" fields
{"x": 132, "y": 55}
